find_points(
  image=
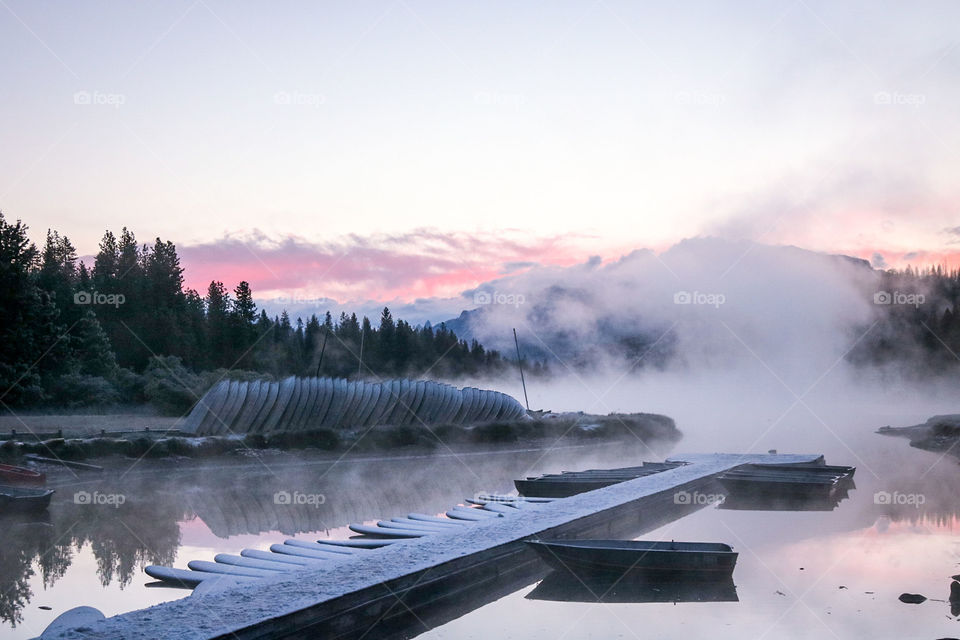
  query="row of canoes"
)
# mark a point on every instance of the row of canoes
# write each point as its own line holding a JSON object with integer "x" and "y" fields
{"x": 295, "y": 555}
{"x": 305, "y": 404}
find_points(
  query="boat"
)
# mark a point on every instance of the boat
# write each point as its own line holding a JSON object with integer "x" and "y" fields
{"x": 654, "y": 559}
{"x": 571, "y": 483}
{"x": 23, "y": 499}
{"x": 21, "y": 476}
{"x": 808, "y": 481}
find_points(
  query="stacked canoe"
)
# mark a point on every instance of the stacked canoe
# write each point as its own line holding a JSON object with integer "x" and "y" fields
{"x": 305, "y": 404}
{"x": 569, "y": 483}
{"x": 296, "y": 555}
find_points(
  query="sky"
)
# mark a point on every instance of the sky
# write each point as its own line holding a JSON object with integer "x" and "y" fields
{"x": 407, "y": 151}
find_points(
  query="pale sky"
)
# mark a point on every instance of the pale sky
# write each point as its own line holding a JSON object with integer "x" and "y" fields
{"x": 581, "y": 127}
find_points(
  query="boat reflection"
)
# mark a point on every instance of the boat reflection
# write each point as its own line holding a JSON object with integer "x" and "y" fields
{"x": 562, "y": 586}
{"x": 766, "y": 502}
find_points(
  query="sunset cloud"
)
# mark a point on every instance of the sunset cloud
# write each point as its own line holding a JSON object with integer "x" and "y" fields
{"x": 424, "y": 263}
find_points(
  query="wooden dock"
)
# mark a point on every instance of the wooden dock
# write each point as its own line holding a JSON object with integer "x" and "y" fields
{"x": 398, "y": 589}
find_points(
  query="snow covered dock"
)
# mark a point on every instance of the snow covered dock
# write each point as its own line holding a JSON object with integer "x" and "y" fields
{"x": 448, "y": 571}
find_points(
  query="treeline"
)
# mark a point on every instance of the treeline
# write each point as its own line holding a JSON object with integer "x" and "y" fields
{"x": 126, "y": 330}
{"x": 918, "y": 324}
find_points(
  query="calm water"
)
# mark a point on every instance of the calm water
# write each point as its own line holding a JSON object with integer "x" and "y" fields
{"x": 788, "y": 579}
{"x": 808, "y": 574}
{"x": 94, "y": 554}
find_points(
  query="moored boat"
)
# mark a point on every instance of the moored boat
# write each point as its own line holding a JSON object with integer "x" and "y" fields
{"x": 653, "y": 559}
{"x": 21, "y": 476}
{"x": 23, "y": 499}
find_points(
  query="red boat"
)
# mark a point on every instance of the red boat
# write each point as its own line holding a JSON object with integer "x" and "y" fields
{"x": 10, "y": 474}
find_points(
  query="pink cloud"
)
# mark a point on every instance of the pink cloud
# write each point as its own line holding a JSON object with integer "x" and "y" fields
{"x": 419, "y": 264}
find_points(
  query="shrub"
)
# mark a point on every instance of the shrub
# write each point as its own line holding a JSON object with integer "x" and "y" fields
{"x": 170, "y": 387}
{"x": 131, "y": 386}
{"x": 78, "y": 390}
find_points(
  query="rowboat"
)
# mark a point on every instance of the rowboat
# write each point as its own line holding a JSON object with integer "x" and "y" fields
{"x": 787, "y": 480}
{"x": 704, "y": 560}
{"x": 570, "y": 483}
{"x": 23, "y": 499}
{"x": 21, "y": 476}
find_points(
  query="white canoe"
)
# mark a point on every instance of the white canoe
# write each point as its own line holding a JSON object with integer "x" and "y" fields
{"x": 253, "y": 563}
{"x": 230, "y": 570}
{"x": 368, "y": 530}
{"x": 182, "y": 577}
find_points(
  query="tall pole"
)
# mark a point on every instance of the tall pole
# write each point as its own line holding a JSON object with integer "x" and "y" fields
{"x": 520, "y": 365}
{"x": 322, "y": 349}
{"x": 360, "y": 359}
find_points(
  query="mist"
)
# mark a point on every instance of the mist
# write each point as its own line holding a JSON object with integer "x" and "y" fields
{"x": 751, "y": 356}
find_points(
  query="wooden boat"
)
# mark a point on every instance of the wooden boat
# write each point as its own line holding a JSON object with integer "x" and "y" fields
{"x": 23, "y": 499}
{"x": 21, "y": 476}
{"x": 702, "y": 560}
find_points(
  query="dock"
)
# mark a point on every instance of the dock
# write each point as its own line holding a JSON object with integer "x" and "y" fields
{"x": 405, "y": 588}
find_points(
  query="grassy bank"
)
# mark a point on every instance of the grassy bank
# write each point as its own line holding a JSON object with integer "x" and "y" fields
{"x": 650, "y": 428}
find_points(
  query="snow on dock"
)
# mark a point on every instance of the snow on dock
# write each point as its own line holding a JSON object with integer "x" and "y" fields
{"x": 350, "y": 595}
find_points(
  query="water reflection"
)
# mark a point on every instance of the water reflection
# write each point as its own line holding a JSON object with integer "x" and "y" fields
{"x": 561, "y": 586}
{"x": 161, "y": 500}
{"x": 788, "y": 503}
